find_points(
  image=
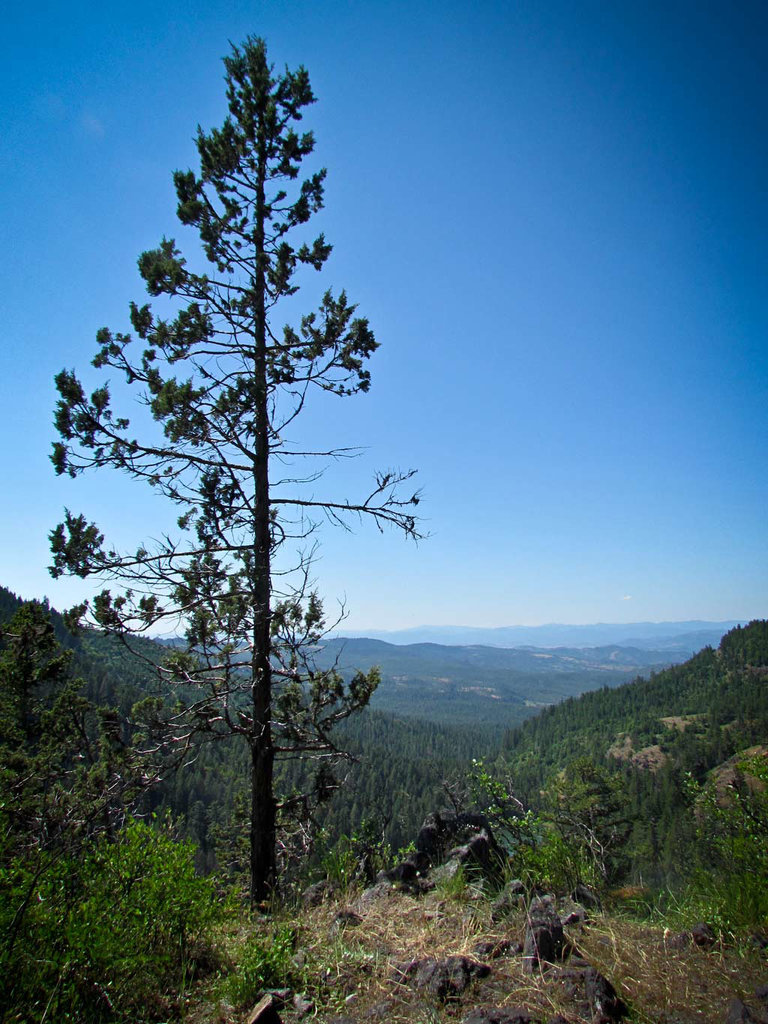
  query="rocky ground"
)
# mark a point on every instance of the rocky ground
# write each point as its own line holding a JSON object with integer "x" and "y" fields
{"x": 439, "y": 939}
{"x": 441, "y": 957}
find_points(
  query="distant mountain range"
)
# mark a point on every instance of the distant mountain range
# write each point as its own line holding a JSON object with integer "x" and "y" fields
{"x": 684, "y": 637}
{"x": 477, "y": 683}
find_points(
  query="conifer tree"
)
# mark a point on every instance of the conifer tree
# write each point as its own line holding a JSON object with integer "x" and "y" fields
{"x": 225, "y": 382}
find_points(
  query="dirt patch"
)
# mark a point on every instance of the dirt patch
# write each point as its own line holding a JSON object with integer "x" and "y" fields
{"x": 649, "y": 759}
{"x": 682, "y": 722}
{"x": 621, "y": 749}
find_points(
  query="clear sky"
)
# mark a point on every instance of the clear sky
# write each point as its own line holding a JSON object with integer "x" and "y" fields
{"x": 554, "y": 215}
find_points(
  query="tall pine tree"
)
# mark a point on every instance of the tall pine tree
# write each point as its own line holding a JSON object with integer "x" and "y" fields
{"x": 224, "y": 381}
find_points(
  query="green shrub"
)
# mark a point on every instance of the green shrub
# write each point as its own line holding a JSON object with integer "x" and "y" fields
{"x": 553, "y": 863}
{"x": 357, "y": 857}
{"x": 728, "y": 885}
{"x": 265, "y": 962}
{"x": 97, "y": 936}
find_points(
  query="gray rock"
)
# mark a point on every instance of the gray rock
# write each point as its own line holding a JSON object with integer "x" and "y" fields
{"x": 572, "y": 913}
{"x": 302, "y": 1005}
{"x": 575, "y": 917}
{"x": 264, "y": 1012}
{"x": 739, "y": 1012}
{"x": 543, "y": 934}
{"x": 604, "y": 1001}
{"x": 440, "y": 833}
{"x": 442, "y": 979}
{"x": 373, "y": 893}
{"x": 280, "y": 996}
{"x": 481, "y": 852}
{"x": 445, "y": 872}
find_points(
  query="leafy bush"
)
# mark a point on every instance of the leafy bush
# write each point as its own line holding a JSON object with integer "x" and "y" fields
{"x": 103, "y": 933}
{"x": 537, "y": 850}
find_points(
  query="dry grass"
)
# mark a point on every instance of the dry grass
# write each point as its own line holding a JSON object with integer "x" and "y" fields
{"x": 665, "y": 983}
{"x": 351, "y": 970}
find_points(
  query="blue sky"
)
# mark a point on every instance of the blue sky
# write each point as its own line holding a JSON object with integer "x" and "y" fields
{"x": 553, "y": 214}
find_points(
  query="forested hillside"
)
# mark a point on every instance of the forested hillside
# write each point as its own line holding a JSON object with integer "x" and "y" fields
{"x": 659, "y": 736}
{"x": 655, "y": 782}
{"x": 432, "y": 721}
{"x": 436, "y": 709}
{"x": 472, "y": 684}
{"x": 439, "y": 708}
{"x": 694, "y": 715}
{"x": 393, "y": 779}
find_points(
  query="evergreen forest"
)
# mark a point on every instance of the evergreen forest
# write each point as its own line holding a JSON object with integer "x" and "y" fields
{"x": 653, "y": 788}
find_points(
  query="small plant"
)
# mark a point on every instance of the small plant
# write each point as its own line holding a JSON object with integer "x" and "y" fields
{"x": 264, "y": 962}
{"x": 357, "y": 857}
{"x": 339, "y": 863}
{"x": 453, "y": 886}
{"x": 554, "y": 863}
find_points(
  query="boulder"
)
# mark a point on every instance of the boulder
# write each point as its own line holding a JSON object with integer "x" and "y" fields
{"x": 604, "y": 1001}
{"x": 481, "y": 851}
{"x": 442, "y": 979}
{"x": 442, "y": 832}
{"x": 703, "y": 935}
{"x": 543, "y": 934}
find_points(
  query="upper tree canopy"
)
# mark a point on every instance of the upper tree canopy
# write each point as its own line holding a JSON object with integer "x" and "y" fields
{"x": 207, "y": 373}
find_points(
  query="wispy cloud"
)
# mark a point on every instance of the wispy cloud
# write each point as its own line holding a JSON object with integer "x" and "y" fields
{"x": 627, "y": 597}
{"x": 92, "y": 125}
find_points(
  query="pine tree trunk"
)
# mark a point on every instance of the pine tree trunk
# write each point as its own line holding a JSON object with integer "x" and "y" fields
{"x": 263, "y": 806}
{"x": 262, "y": 749}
